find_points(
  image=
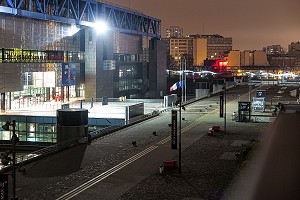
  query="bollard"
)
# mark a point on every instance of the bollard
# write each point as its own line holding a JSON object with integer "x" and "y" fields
{"x": 161, "y": 169}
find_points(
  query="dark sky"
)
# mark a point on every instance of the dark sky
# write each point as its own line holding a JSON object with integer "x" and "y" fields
{"x": 252, "y": 24}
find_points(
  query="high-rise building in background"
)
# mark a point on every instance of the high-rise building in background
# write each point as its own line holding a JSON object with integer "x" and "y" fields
{"x": 236, "y": 59}
{"x": 289, "y": 59}
{"x": 217, "y": 47}
{"x": 174, "y": 32}
{"x": 181, "y": 48}
{"x": 273, "y": 49}
{"x": 294, "y": 48}
{"x": 197, "y": 48}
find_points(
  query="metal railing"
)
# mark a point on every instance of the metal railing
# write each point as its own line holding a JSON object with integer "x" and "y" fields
{"x": 42, "y": 153}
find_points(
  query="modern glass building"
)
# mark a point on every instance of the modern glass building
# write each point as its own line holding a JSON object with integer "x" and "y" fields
{"x": 52, "y": 52}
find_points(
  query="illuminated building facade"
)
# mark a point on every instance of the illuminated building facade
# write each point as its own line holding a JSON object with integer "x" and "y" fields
{"x": 198, "y": 48}
{"x": 37, "y": 59}
{"x": 254, "y": 58}
{"x": 51, "y": 51}
{"x": 41, "y": 60}
{"x": 294, "y": 48}
{"x": 179, "y": 48}
{"x": 274, "y": 49}
{"x": 174, "y": 32}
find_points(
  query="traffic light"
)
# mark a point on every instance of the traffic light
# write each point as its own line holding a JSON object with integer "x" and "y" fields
{"x": 5, "y": 159}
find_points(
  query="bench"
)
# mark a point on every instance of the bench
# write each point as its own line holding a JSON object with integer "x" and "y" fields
{"x": 169, "y": 164}
{"x": 216, "y": 128}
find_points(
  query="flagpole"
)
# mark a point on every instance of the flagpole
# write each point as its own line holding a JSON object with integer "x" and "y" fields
{"x": 180, "y": 104}
{"x": 185, "y": 80}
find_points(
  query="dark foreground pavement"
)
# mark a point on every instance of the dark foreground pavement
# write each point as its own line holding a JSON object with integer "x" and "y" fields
{"x": 210, "y": 164}
{"x": 209, "y": 167}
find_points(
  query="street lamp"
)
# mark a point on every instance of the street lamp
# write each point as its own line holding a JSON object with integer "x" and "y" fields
{"x": 101, "y": 27}
{"x": 225, "y": 105}
{"x": 14, "y": 140}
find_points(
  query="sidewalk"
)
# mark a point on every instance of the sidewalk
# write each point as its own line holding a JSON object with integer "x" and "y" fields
{"x": 209, "y": 165}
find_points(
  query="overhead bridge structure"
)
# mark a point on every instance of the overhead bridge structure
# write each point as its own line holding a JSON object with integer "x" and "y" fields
{"x": 84, "y": 13}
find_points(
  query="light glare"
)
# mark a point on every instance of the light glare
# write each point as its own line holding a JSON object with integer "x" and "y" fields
{"x": 101, "y": 27}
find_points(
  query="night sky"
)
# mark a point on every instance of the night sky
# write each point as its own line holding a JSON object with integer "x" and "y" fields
{"x": 252, "y": 24}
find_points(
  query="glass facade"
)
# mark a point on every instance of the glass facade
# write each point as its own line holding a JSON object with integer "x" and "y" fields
{"x": 43, "y": 129}
{"x": 132, "y": 56}
{"x": 33, "y": 54}
{"x": 31, "y": 129}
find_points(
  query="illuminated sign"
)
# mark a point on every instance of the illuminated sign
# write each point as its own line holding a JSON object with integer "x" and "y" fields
{"x": 174, "y": 130}
{"x": 218, "y": 65}
{"x": 33, "y": 56}
{"x": 258, "y": 104}
{"x": 68, "y": 74}
{"x": 244, "y": 106}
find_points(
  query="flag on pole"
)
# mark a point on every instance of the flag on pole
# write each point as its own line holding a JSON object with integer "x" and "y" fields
{"x": 176, "y": 86}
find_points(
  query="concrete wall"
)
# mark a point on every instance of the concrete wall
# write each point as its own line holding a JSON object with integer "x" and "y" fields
{"x": 234, "y": 58}
{"x": 157, "y": 68}
{"x": 260, "y": 58}
{"x": 201, "y": 93}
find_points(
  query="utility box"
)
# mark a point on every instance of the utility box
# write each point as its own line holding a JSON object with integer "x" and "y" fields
{"x": 244, "y": 111}
{"x": 72, "y": 123}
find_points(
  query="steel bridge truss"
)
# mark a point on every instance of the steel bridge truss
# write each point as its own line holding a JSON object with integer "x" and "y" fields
{"x": 84, "y": 13}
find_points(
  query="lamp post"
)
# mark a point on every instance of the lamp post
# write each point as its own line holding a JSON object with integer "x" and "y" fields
{"x": 14, "y": 140}
{"x": 225, "y": 105}
{"x": 179, "y": 143}
{"x": 180, "y": 105}
{"x": 185, "y": 80}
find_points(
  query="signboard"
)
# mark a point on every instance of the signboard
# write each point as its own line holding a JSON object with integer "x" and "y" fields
{"x": 174, "y": 130}
{"x": 221, "y": 104}
{"x": 258, "y": 104}
{"x": 68, "y": 74}
{"x": 16, "y": 55}
{"x": 3, "y": 186}
{"x": 244, "y": 106}
{"x": 244, "y": 112}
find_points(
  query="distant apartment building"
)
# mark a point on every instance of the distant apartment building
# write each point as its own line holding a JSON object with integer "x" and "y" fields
{"x": 273, "y": 49}
{"x": 294, "y": 48}
{"x": 260, "y": 58}
{"x": 234, "y": 60}
{"x": 197, "y": 48}
{"x": 289, "y": 59}
{"x": 237, "y": 58}
{"x": 174, "y": 31}
{"x": 218, "y": 46}
{"x": 181, "y": 48}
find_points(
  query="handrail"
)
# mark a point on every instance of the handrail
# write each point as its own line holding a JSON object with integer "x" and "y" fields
{"x": 39, "y": 154}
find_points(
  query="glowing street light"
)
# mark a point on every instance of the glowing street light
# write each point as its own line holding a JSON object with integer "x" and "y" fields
{"x": 101, "y": 27}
